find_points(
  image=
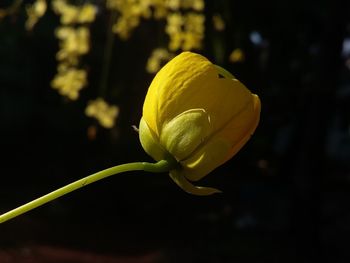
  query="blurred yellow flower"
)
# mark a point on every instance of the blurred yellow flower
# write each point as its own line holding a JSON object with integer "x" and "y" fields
{"x": 186, "y": 32}
{"x": 194, "y": 31}
{"x": 160, "y": 9}
{"x": 195, "y": 23}
{"x": 173, "y": 4}
{"x": 182, "y": 28}
{"x": 218, "y": 22}
{"x": 130, "y": 13}
{"x": 197, "y": 5}
{"x": 34, "y": 12}
{"x": 198, "y": 114}
{"x": 103, "y": 112}
{"x": 125, "y": 25}
{"x": 158, "y": 56}
{"x": 69, "y": 82}
{"x": 87, "y": 13}
{"x": 74, "y": 42}
{"x": 237, "y": 55}
{"x": 71, "y": 14}
{"x": 67, "y": 12}
{"x": 174, "y": 30}
{"x": 174, "y": 23}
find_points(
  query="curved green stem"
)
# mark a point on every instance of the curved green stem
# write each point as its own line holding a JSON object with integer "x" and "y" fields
{"x": 159, "y": 167}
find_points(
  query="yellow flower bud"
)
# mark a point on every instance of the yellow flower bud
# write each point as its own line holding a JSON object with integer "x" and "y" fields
{"x": 197, "y": 114}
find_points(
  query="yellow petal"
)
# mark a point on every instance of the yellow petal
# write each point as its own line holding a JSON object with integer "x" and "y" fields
{"x": 205, "y": 160}
{"x": 249, "y": 130}
{"x": 171, "y": 83}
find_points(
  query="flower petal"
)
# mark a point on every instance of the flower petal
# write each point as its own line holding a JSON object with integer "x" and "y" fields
{"x": 205, "y": 160}
{"x": 247, "y": 132}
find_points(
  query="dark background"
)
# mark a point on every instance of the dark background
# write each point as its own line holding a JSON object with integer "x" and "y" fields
{"x": 285, "y": 196}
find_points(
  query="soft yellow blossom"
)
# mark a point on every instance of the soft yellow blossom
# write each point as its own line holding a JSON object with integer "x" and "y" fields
{"x": 197, "y": 5}
{"x": 87, "y": 13}
{"x": 130, "y": 13}
{"x": 35, "y": 12}
{"x": 144, "y": 8}
{"x": 74, "y": 42}
{"x": 198, "y": 114}
{"x": 70, "y": 82}
{"x": 71, "y": 14}
{"x": 160, "y": 10}
{"x": 174, "y": 23}
{"x": 125, "y": 25}
{"x": 176, "y": 41}
{"x": 192, "y": 41}
{"x": 103, "y": 112}
{"x": 173, "y": 4}
{"x": 158, "y": 56}
{"x": 174, "y": 29}
{"x": 68, "y": 13}
{"x": 195, "y": 23}
{"x": 218, "y": 22}
{"x": 186, "y": 32}
{"x": 194, "y": 31}
{"x": 237, "y": 55}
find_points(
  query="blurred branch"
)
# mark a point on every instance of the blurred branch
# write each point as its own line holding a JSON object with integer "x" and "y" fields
{"x": 107, "y": 55}
{"x": 11, "y": 10}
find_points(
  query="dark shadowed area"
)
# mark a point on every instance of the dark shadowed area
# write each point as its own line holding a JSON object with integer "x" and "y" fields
{"x": 286, "y": 194}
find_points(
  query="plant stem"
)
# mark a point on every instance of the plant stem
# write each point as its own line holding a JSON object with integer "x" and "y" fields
{"x": 159, "y": 167}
